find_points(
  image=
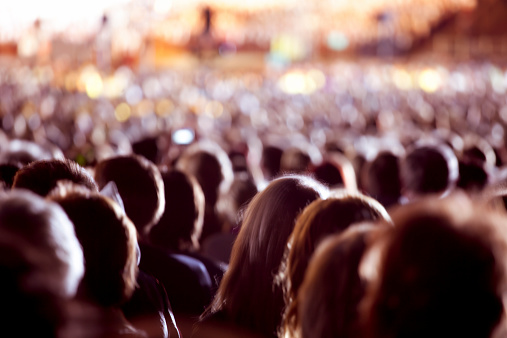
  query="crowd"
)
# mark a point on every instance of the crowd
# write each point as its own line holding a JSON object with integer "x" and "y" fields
{"x": 356, "y": 209}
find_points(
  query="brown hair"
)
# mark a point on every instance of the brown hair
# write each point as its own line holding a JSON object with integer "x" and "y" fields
{"x": 109, "y": 244}
{"x": 246, "y": 294}
{"x": 320, "y": 219}
{"x": 42, "y": 176}
{"x": 328, "y": 299}
{"x": 441, "y": 272}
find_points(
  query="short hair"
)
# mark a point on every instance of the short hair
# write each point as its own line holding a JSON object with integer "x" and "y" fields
{"x": 47, "y": 232}
{"x": 329, "y": 297}
{"x": 140, "y": 186}
{"x": 382, "y": 178}
{"x": 441, "y": 272}
{"x": 180, "y": 226}
{"x": 212, "y": 168}
{"x": 271, "y": 161}
{"x": 109, "y": 243}
{"x": 319, "y": 220}
{"x": 246, "y": 293}
{"x": 429, "y": 169}
{"x": 41, "y": 177}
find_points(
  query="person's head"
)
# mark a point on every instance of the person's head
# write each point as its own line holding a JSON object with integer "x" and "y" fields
{"x": 7, "y": 173}
{"x": 328, "y": 299}
{"x": 246, "y": 293}
{"x": 242, "y": 190}
{"x": 211, "y": 166}
{"x": 41, "y": 177}
{"x": 319, "y": 220}
{"x": 381, "y": 179}
{"x": 295, "y": 160}
{"x": 109, "y": 244}
{"x": 47, "y": 237}
{"x": 440, "y": 272}
{"x": 180, "y": 226}
{"x": 328, "y": 174}
{"x": 270, "y": 162}
{"x": 473, "y": 176}
{"x": 429, "y": 169}
{"x": 140, "y": 186}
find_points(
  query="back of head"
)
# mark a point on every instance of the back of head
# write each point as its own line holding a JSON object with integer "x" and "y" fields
{"x": 319, "y": 220}
{"x": 295, "y": 160}
{"x": 140, "y": 186}
{"x": 180, "y": 226}
{"x": 25, "y": 152}
{"x": 441, "y": 272}
{"x": 109, "y": 244}
{"x": 271, "y": 159}
{"x": 382, "y": 179}
{"x": 246, "y": 292}
{"x": 332, "y": 288}
{"x": 48, "y": 235}
{"x": 429, "y": 169}
{"x": 211, "y": 166}
{"x": 42, "y": 176}
{"x": 329, "y": 174}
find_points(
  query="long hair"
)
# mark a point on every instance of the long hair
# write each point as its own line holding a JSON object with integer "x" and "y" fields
{"x": 247, "y": 295}
{"x": 332, "y": 289}
{"x": 320, "y": 219}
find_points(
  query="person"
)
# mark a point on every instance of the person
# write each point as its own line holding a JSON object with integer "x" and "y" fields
{"x": 109, "y": 244}
{"x": 180, "y": 227}
{"x": 319, "y": 220}
{"x": 212, "y": 168}
{"x": 382, "y": 179}
{"x": 428, "y": 169}
{"x": 438, "y": 272}
{"x": 246, "y": 296}
{"x": 141, "y": 188}
{"x": 41, "y": 177}
{"x": 329, "y": 297}
{"x": 41, "y": 265}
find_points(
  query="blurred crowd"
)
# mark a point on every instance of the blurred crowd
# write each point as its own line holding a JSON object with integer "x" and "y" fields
{"x": 340, "y": 200}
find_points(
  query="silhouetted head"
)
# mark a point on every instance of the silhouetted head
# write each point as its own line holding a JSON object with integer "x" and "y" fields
{"x": 441, "y": 272}
{"x": 109, "y": 243}
{"x": 180, "y": 226}
{"x": 431, "y": 169}
{"x": 140, "y": 186}
{"x": 382, "y": 179}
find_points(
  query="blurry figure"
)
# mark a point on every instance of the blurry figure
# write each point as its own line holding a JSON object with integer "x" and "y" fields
{"x": 473, "y": 176}
{"x": 320, "y": 219}
{"x": 430, "y": 169}
{"x": 25, "y": 152}
{"x": 271, "y": 162}
{"x": 103, "y": 46}
{"x": 211, "y": 166}
{"x": 41, "y": 265}
{"x": 232, "y": 207}
{"x": 381, "y": 179}
{"x": 440, "y": 272}
{"x": 43, "y": 176}
{"x": 329, "y": 297}
{"x": 246, "y": 296}
{"x": 7, "y": 173}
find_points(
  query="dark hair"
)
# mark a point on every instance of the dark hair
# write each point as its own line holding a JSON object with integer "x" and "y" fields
{"x": 328, "y": 174}
{"x": 271, "y": 159}
{"x": 246, "y": 294}
{"x": 140, "y": 186}
{"x": 329, "y": 297}
{"x": 180, "y": 226}
{"x": 109, "y": 244}
{"x": 382, "y": 179}
{"x": 429, "y": 169}
{"x": 440, "y": 273}
{"x": 42, "y": 176}
{"x": 320, "y": 219}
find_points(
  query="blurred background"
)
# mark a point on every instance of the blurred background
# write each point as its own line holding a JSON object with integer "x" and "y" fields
{"x": 95, "y": 77}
